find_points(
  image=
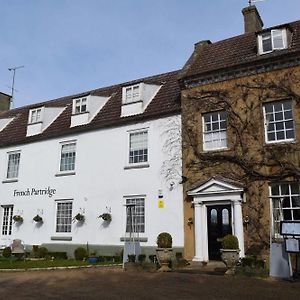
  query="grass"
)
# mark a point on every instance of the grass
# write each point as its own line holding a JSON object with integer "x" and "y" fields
{"x": 29, "y": 264}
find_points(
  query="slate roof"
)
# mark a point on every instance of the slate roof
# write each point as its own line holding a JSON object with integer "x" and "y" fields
{"x": 166, "y": 102}
{"x": 235, "y": 51}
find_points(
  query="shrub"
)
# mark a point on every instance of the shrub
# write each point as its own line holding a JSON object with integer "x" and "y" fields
{"x": 230, "y": 241}
{"x": 42, "y": 252}
{"x": 59, "y": 255}
{"x": 178, "y": 255}
{"x": 164, "y": 240}
{"x": 131, "y": 257}
{"x": 141, "y": 258}
{"x": 152, "y": 258}
{"x": 253, "y": 262}
{"x": 80, "y": 253}
{"x": 6, "y": 252}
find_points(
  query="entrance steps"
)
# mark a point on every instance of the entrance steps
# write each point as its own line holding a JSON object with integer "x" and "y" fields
{"x": 210, "y": 268}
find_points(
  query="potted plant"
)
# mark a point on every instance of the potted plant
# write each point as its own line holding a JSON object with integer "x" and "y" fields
{"x": 230, "y": 252}
{"x": 38, "y": 219}
{"x": 106, "y": 217}
{"x": 18, "y": 218}
{"x": 164, "y": 251}
{"x": 79, "y": 217}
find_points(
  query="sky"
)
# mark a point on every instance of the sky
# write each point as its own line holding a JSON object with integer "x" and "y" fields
{"x": 72, "y": 46}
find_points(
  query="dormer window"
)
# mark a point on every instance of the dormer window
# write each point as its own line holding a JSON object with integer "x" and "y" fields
{"x": 35, "y": 116}
{"x": 80, "y": 105}
{"x": 131, "y": 94}
{"x": 269, "y": 41}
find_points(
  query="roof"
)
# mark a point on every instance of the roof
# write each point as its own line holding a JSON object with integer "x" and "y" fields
{"x": 165, "y": 102}
{"x": 235, "y": 51}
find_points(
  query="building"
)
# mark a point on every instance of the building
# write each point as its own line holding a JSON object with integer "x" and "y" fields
{"x": 91, "y": 154}
{"x": 240, "y": 124}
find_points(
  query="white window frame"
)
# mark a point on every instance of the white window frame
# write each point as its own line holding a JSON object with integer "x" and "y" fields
{"x": 273, "y": 33}
{"x": 63, "y": 226}
{"x": 7, "y": 220}
{"x": 13, "y": 175}
{"x": 62, "y": 152}
{"x": 82, "y": 105}
{"x": 275, "y": 223}
{"x": 131, "y": 157}
{"x": 284, "y": 120}
{"x": 214, "y": 132}
{"x": 131, "y": 94}
{"x": 140, "y": 226}
{"x": 36, "y": 115}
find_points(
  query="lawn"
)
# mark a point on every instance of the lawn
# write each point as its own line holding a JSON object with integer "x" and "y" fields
{"x": 29, "y": 264}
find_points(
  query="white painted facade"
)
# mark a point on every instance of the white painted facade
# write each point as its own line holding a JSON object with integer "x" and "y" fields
{"x": 100, "y": 183}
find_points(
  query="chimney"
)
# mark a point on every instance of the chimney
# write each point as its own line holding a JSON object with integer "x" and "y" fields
{"x": 4, "y": 102}
{"x": 252, "y": 19}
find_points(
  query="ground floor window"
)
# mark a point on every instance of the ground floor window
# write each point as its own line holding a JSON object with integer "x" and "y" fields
{"x": 286, "y": 204}
{"x": 135, "y": 215}
{"x": 7, "y": 219}
{"x": 64, "y": 216}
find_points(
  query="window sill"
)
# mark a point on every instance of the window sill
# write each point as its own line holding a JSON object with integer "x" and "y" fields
{"x": 137, "y": 239}
{"x": 80, "y": 113}
{"x": 216, "y": 150}
{"x": 282, "y": 142}
{"x": 65, "y": 174}
{"x": 137, "y": 166}
{"x": 133, "y": 102}
{"x": 61, "y": 238}
{"x": 10, "y": 180}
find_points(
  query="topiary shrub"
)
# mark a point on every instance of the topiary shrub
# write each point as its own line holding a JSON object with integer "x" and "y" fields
{"x": 42, "y": 252}
{"x": 164, "y": 240}
{"x": 152, "y": 258}
{"x": 141, "y": 258}
{"x": 230, "y": 241}
{"x": 131, "y": 257}
{"x": 80, "y": 253}
{"x": 6, "y": 252}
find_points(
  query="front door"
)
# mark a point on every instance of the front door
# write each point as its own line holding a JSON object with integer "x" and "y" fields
{"x": 218, "y": 225}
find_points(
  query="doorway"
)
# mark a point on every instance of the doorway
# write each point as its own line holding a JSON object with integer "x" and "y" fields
{"x": 218, "y": 225}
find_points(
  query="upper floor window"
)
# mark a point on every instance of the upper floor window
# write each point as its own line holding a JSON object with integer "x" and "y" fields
{"x": 138, "y": 147}
{"x": 214, "y": 130}
{"x": 13, "y": 165}
{"x": 269, "y": 41}
{"x": 279, "y": 124}
{"x": 285, "y": 203}
{"x": 80, "y": 105}
{"x": 131, "y": 94}
{"x": 35, "y": 115}
{"x": 64, "y": 216}
{"x": 67, "y": 157}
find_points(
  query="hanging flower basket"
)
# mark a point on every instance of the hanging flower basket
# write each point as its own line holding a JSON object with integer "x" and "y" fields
{"x": 38, "y": 219}
{"x": 18, "y": 218}
{"x": 79, "y": 217}
{"x": 106, "y": 217}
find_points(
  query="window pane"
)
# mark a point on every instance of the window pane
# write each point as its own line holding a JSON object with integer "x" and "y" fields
{"x": 68, "y": 154}
{"x": 138, "y": 147}
{"x": 225, "y": 216}
{"x": 277, "y": 39}
{"x": 64, "y": 217}
{"x": 13, "y": 165}
{"x": 214, "y": 216}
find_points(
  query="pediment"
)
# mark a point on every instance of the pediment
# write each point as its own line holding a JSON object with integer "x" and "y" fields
{"x": 215, "y": 186}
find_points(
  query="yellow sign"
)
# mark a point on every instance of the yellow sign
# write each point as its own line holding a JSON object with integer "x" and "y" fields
{"x": 161, "y": 204}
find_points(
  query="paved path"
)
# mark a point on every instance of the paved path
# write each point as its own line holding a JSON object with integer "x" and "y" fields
{"x": 113, "y": 284}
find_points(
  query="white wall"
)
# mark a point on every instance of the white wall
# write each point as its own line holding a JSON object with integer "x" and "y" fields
{"x": 100, "y": 181}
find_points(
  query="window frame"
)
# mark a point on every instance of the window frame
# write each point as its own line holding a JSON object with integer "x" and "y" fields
{"x": 15, "y": 172}
{"x": 86, "y": 99}
{"x": 144, "y": 162}
{"x": 132, "y": 98}
{"x": 7, "y": 220}
{"x": 276, "y": 233}
{"x": 67, "y": 171}
{"x": 69, "y": 217}
{"x": 140, "y": 228}
{"x": 218, "y": 131}
{"x": 272, "y": 34}
{"x": 266, "y": 123}
{"x": 38, "y": 118}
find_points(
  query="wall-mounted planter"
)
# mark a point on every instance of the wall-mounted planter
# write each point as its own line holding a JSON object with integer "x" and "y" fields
{"x": 79, "y": 217}
{"x": 18, "y": 219}
{"x": 106, "y": 217}
{"x": 38, "y": 219}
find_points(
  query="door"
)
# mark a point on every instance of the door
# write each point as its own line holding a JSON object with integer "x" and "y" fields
{"x": 218, "y": 225}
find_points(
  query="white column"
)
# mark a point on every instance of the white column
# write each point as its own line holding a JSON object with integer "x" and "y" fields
{"x": 238, "y": 226}
{"x": 198, "y": 232}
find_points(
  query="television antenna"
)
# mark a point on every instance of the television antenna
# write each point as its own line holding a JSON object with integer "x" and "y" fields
{"x": 13, "y": 80}
{"x": 254, "y": 1}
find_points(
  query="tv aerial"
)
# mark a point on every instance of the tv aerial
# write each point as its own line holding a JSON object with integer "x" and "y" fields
{"x": 13, "y": 81}
{"x": 254, "y": 1}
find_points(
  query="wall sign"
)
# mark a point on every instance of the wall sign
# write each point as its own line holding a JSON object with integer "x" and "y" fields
{"x": 35, "y": 192}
